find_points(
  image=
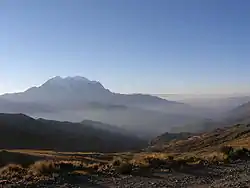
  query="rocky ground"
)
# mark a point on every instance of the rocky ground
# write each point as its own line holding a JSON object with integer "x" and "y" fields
{"x": 217, "y": 176}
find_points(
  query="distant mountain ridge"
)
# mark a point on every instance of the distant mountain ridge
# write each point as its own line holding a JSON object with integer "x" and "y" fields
{"x": 57, "y": 89}
{"x": 77, "y": 98}
{"x": 238, "y": 115}
{"x": 77, "y": 86}
{"x": 219, "y": 104}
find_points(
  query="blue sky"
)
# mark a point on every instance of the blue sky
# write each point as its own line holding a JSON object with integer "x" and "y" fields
{"x": 148, "y": 46}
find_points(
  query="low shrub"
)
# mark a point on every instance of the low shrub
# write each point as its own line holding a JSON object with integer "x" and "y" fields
{"x": 236, "y": 154}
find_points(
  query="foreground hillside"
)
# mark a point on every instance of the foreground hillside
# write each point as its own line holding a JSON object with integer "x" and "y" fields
{"x": 18, "y": 131}
{"x": 35, "y": 168}
{"x": 215, "y": 159}
{"x": 236, "y": 136}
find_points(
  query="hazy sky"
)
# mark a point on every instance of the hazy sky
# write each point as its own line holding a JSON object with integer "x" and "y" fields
{"x": 149, "y": 46}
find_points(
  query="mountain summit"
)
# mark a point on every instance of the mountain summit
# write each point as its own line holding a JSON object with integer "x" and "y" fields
{"x": 58, "y": 89}
{"x": 69, "y": 80}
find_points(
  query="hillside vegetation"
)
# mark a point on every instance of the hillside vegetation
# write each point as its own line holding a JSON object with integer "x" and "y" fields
{"x": 236, "y": 136}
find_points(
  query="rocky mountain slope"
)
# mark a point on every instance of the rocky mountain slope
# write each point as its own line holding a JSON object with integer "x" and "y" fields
{"x": 236, "y": 136}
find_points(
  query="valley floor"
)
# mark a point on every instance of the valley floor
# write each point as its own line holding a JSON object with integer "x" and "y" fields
{"x": 217, "y": 176}
{"x": 236, "y": 175}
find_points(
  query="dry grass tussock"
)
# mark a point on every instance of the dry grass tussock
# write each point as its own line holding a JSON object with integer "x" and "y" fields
{"x": 47, "y": 168}
{"x": 12, "y": 171}
{"x": 125, "y": 164}
{"x": 148, "y": 161}
{"x": 44, "y": 167}
{"x": 139, "y": 163}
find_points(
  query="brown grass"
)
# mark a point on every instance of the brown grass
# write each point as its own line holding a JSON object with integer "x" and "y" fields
{"x": 91, "y": 163}
{"x": 239, "y": 143}
{"x": 12, "y": 171}
{"x": 117, "y": 161}
{"x": 44, "y": 167}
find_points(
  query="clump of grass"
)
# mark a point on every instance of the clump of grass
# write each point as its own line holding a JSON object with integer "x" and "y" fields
{"x": 124, "y": 168}
{"x": 105, "y": 168}
{"x": 94, "y": 167}
{"x": 118, "y": 165}
{"x": 44, "y": 167}
{"x": 146, "y": 163}
{"x": 117, "y": 161}
{"x": 155, "y": 162}
{"x": 206, "y": 159}
{"x": 190, "y": 159}
{"x": 12, "y": 171}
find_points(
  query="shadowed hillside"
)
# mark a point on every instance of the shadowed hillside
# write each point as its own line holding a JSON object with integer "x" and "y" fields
{"x": 18, "y": 131}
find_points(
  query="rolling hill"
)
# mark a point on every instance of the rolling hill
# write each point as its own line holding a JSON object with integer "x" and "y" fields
{"x": 18, "y": 131}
